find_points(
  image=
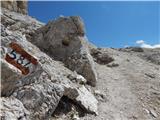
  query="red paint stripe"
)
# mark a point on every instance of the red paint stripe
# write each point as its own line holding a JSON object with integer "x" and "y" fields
{"x": 24, "y": 70}
{"x": 21, "y": 51}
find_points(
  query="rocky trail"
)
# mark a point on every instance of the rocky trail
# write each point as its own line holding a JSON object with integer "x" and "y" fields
{"x": 125, "y": 90}
{"x": 52, "y": 72}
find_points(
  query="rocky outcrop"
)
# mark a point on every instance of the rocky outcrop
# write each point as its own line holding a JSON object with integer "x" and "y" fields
{"x": 41, "y": 90}
{"x": 36, "y": 91}
{"x": 64, "y": 40}
{"x": 18, "y": 22}
{"x": 16, "y": 6}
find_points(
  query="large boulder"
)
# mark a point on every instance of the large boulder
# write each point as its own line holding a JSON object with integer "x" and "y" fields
{"x": 64, "y": 39}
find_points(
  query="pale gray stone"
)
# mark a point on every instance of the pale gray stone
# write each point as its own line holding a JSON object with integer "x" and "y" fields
{"x": 87, "y": 100}
{"x": 40, "y": 98}
{"x": 9, "y": 77}
{"x": 13, "y": 109}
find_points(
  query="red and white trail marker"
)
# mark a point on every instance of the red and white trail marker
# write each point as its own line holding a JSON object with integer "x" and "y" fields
{"x": 19, "y": 58}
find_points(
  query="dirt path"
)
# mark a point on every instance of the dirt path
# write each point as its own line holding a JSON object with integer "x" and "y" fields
{"x": 127, "y": 90}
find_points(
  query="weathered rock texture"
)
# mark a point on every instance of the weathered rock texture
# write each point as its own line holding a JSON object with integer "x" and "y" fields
{"x": 13, "y": 109}
{"x": 16, "y": 6}
{"x": 9, "y": 78}
{"x": 40, "y": 98}
{"x": 36, "y": 91}
{"x": 64, "y": 40}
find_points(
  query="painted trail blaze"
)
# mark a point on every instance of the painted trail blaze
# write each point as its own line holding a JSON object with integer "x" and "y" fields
{"x": 18, "y": 57}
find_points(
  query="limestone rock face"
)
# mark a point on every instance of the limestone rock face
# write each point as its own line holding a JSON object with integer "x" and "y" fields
{"x": 13, "y": 109}
{"x": 28, "y": 88}
{"x": 64, "y": 40}
{"x": 36, "y": 91}
{"x": 41, "y": 90}
{"x": 16, "y": 6}
{"x": 18, "y": 22}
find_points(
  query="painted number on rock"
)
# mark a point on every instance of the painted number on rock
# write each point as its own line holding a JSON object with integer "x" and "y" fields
{"x": 18, "y": 57}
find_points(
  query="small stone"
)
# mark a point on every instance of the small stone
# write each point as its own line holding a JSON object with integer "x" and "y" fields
{"x": 75, "y": 117}
{"x": 80, "y": 79}
{"x": 153, "y": 113}
{"x": 150, "y": 75}
{"x": 113, "y": 65}
{"x": 71, "y": 77}
{"x": 100, "y": 95}
{"x": 97, "y": 92}
{"x": 147, "y": 111}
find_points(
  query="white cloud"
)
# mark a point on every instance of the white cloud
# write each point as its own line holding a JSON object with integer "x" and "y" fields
{"x": 145, "y": 45}
{"x": 140, "y": 42}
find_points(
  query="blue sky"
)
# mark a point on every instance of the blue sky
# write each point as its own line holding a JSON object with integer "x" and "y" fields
{"x": 108, "y": 24}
